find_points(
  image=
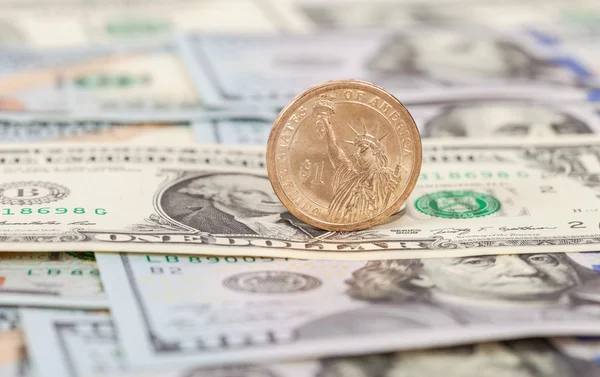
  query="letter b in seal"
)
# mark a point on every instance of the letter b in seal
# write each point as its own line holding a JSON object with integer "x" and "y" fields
{"x": 31, "y": 192}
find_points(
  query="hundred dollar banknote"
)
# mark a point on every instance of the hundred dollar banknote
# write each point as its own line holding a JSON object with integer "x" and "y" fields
{"x": 87, "y": 345}
{"x": 234, "y": 127}
{"x": 51, "y": 280}
{"x": 574, "y": 25}
{"x": 473, "y": 197}
{"x": 454, "y": 114}
{"x": 557, "y": 18}
{"x": 70, "y": 343}
{"x": 44, "y": 24}
{"x": 234, "y": 69}
{"x": 247, "y": 309}
{"x": 95, "y": 79}
{"x": 136, "y": 127}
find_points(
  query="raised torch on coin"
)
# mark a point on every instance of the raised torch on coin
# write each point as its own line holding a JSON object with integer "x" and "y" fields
{"x": 344, "y": 155}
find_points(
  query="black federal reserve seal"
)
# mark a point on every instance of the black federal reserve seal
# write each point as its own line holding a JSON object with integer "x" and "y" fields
{"x": 26, "y": 193}
{"x": 272, "y": 282}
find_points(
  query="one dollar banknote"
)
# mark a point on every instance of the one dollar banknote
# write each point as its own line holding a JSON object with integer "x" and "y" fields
{"x": 472, "y": 198}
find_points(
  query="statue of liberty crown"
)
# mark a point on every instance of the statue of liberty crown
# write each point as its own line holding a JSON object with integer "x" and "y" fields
{"x": 366, "y": 137}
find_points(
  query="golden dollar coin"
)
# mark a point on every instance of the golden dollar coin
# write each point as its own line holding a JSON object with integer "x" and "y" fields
{"x": 344, "y": 155}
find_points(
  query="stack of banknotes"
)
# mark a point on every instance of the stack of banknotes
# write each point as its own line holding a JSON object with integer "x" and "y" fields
{"x": 140, "y": 236}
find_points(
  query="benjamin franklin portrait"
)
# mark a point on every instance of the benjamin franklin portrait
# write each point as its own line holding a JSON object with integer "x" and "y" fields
{"x": 451, "y": 292}
{"x": 503, "y": 118}
{"x": 450, "y": 56}
{"x": 232, "y": 204}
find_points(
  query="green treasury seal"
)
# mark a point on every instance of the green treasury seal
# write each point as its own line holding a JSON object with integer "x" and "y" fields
{"x": 457, "y": 204}
{"x": 82, "y": 255}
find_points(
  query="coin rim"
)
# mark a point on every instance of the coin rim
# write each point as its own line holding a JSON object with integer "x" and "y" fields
{"x": 278, "y": 126}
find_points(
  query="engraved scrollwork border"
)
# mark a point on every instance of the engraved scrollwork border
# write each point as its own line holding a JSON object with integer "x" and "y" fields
{"x": 73, "y": 235}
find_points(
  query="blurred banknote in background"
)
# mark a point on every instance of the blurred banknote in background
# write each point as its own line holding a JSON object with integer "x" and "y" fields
{"x": 51, "y": 279}
{"x": 97, "y": 78}
{"x": 578, "y": 18}
{"x": 77, "y": 344}
{"x": 466, "y": 113}
{"x": 42, "y": 24}
{"x": 272, "y": 69}
{"x": 159, "y": 128}
{"x": 12, "y": 344}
